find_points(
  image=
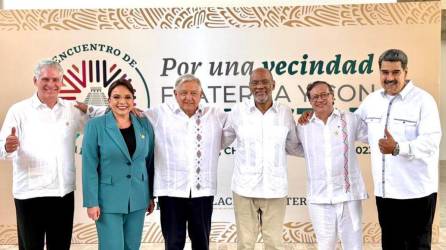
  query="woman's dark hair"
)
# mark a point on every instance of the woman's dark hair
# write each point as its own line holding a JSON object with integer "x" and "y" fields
{"x": 122, "y": 82}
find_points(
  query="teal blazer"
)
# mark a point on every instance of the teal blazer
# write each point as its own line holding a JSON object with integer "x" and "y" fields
{"x": 111, "y": 179}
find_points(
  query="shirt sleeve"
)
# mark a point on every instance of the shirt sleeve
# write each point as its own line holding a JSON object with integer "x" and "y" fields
{"x": 10, "y": 122}
{"x": 90, "y": 165}
{"x": 292, "y": 144}
{"x": 427, "y": 142}
{"x": 229, "y": 135}
{"x": 361, "y": 112}
{"x": 80, "y": 117}
{"x": 361, "y": 129}
{"x": 152, "y": 115}
{"x": 222, "y": 117}
{"x": 95, "y": 111}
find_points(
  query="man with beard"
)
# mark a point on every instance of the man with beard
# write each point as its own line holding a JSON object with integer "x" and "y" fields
{"x": 39, "y": 135}
{"x": 264, "y": 132}
{"x": 404, "y": 135}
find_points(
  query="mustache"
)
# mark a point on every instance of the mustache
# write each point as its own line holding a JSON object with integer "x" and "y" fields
{"x": 388, "y": 82}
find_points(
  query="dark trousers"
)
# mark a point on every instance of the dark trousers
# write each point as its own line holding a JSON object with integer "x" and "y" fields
{"x": 406, "y": 224}
{"x": 176, "y": 212}
{"x": 45, "y": 216}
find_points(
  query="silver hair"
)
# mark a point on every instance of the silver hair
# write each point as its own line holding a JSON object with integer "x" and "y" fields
{"x": 187, "y": 78}
{"x": 47, "y": 63}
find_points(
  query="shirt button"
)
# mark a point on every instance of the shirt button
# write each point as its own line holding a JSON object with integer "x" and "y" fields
{"x": 129, "y": 176}
{"x": 129, "y": 163}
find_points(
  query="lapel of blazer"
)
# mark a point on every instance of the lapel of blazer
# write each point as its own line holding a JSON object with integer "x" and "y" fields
{"x": 140, "y": 135}
{"x": 114, "y": 133}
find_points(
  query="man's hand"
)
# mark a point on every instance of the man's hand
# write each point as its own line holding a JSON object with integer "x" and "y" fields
{"x": 151, "y": 206}
{"x": 12, "y": 142}
{"x": 81, "y": 106}
{"x": 387, "y": 144}
{"x": 138, "y": 112}
{"x": 94, "y": 213}
{"x": 305, "y": 117}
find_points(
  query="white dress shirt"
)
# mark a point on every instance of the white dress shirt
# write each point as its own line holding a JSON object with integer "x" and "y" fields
{"x": 413, "y": 121}
{"x": 262, "y": 144}
{"x": 324, "y": 147}
{"x": 43, "y": 165}
{"x": 186, "y": 150}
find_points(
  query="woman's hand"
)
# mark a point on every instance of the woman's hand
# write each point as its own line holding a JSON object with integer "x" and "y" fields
{"x": 151, "y": 206}
{"x": 94, "y": 213}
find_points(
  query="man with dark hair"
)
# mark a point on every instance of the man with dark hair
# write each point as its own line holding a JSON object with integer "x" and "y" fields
{"x": 335, "y": 185}
{"x": 404, "y": 134}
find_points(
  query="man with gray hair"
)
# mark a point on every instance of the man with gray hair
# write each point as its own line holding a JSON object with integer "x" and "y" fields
{"x": 188, "y": 139}
{"x": 39, "y": 135}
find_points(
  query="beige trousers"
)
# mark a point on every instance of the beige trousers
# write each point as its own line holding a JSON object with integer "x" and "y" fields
{"x": 258, "y": 214}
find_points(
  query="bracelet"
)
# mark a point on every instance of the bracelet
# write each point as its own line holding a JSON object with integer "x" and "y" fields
{"x": 396, "y": 150}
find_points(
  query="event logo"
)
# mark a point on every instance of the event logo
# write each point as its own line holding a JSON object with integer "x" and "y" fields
{"x": 91, "y": 68}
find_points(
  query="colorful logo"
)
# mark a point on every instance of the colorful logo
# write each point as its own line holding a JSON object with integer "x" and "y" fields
{"x": 91, "y": 68}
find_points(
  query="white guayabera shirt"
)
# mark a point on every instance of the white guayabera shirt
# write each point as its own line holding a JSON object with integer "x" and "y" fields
{"x": 412, "y": 119}
{"x": 186, "y": 150}
{"x": 262, "y": 144}
{"x": 333, "y": 172}
{"x": 43, "y": 165}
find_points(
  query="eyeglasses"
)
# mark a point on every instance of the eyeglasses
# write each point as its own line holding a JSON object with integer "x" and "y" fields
{"x": 323, "y": 96}
{"x": 256, "y": 83}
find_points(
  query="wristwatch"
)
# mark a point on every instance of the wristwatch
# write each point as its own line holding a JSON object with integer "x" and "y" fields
{"x": 396, "y": 149}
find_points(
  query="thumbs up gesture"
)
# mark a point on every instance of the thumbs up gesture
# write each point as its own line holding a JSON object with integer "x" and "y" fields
{"x": 12, "y": 141}
{"x": 387, "y": 144}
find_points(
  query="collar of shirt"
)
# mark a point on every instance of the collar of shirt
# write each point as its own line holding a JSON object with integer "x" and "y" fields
{"x": 336, "y": 113}
{"x": 404, "y": 92}
{"x": 252, "y": 106}
{"x": 36, "y": 103}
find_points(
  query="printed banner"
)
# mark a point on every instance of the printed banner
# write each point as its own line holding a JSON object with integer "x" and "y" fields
{"x": 340, "y": 44}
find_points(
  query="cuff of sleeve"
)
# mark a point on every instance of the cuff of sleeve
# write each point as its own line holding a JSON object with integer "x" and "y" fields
{"x": 5, "y": 155}
{"x": 91, "y": 203}
{"x": 404, "y": 148}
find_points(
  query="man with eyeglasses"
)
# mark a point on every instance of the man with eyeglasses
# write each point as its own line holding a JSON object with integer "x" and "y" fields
{"x": 264, "y": 131}
{"x": 404, "y": 134}
{"x": 334, "y": 182}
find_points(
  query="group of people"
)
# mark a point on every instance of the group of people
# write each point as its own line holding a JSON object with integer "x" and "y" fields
{"x": 171, "y": 153}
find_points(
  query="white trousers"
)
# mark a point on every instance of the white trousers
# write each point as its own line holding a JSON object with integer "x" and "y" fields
{"x": 333, "y": 221}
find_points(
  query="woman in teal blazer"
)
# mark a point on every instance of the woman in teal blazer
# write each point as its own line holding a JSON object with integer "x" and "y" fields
{"x": 117, "y": 171}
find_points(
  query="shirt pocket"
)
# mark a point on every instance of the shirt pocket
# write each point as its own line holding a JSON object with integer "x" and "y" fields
{"x": 405, "y": 127}
{"x": 374, "y": 123}
{"x": 373, "y": 119}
